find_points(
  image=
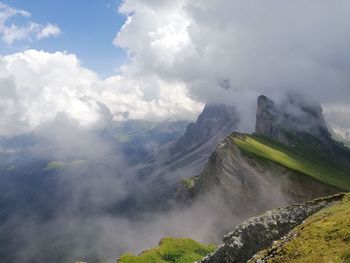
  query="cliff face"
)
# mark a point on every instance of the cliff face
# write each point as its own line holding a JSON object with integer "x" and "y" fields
{"x": 257, "y": 233}
{"x": 293, "y": 117}
{"x": 290, "y": 159}
{"x": 162, "y": 171}
{"x": 216, "y": 121}
{"x": 249, "y": 185}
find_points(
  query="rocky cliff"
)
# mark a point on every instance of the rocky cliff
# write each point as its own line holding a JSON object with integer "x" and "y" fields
{"x": 258, "y": 233}
{"x": 215, "y": 121}
{"x": 249, "y": 184}
{"x": 161, "y": 172}
{"x": 292, "y": 117}
{"x": 278, "y": 165}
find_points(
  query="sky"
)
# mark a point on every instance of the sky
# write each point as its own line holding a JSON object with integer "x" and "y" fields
{"x": 157, "y": 59}
{"x": 87, "y": 30}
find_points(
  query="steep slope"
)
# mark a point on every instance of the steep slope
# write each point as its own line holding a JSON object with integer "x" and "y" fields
{"x": 323, "y": 237}
{"x": 313, "y": 231}
{"x": 257, "y": 233}
{"x": 316, "y": 165}
{"x": 294, "y": 116}
{"x": 291, "y": 158}
{"x": 161, "y": 172}
{"x": 215, "y": 122}
{"x": 249, "y": 183}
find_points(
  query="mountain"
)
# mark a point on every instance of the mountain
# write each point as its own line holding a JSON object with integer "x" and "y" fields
{"x": 323, "y": 237}
{"x": 313, "y": 231}
{"x": 213, "y": 124}
{"x": 161, "y": 172}
{"x": 281, "y": 235}
{"x": 293, "y": 117}
{"x": 290, "y": 158}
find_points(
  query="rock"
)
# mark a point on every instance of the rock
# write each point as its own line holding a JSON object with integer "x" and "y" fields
{"x": 257, "y": 233}
{"x": 293, "y": 117}
{"x": 248, "y": 186}
{"x": 215, "y": 121}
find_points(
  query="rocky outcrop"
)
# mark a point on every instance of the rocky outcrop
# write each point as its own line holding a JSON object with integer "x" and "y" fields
{"x": 249, "y": 185}
{"x": 215, "y": 121}
{"x": 161, "y": 173}
{"x": 259, "y": 232}
{"x": 292, "y": 117}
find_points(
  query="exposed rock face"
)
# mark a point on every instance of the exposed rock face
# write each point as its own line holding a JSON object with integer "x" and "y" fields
{"x": 161, "y": 173}
{"x": 249, "y": 186}
{"x": 215, "y": 121}
{"x": 259, "y": 232}
{"x": 293, "y": 116}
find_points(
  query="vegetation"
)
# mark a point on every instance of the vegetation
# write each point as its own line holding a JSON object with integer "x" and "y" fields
{"x": 54, "y": 166}
{"x": 322, "y": 238}
{"x": 132, "y": 129}
{"x": 189, "y": 182}
{"x": 61, "y": 165}
{"x": 176, "y": 250}
{"x": 299, "y": 158}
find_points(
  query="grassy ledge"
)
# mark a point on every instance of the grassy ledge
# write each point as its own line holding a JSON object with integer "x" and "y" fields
{"x": 324, "y": 237}
{"x": 176, "y": 250}
{"x": 312, "y": 165}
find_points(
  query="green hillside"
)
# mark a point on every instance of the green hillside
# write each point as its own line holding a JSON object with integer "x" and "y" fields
{"x": 175, "y": 250}
{"x": 324, "y": 237}
{"x": 301, "y": 158}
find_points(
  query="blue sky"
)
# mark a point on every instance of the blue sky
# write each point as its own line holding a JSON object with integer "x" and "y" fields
{"x": 87, "y": 30}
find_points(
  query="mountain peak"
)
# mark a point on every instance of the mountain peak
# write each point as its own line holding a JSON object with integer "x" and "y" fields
{"x": 216, "y": 120}
{"x": 294, "y": 115}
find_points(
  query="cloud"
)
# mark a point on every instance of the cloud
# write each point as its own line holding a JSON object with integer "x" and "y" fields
{"x": 37, "y": 85}
{"x": 254, "y": 47}
{"x": 183, "y": 54}
{"x": 49, "y": 30}
{"x": 11, "y": 32}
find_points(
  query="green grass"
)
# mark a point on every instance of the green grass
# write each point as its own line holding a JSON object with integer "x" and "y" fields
{"x": 300, "y": 159}
{"x": 188, "y": 182}
{"x": 61, "y": 165}
{"x": 54, "y": 166}
{"x": 123, "y": 137}
{"x": 176, "y": 250}
{"x": 322, "y": 238}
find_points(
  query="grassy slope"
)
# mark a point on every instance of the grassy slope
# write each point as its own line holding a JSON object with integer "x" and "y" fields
{"x": 176, "y": 250}
{"x": 322, "y": 238}
{"x": 298, "y": 159}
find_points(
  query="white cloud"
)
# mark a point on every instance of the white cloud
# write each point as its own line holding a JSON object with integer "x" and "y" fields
{"x": 184, "y": 51}
{"x": 11, "y": 32}
{"x": 49, "y": 30}
{"x": 37, "y": 85}
{"x": 223, "y": 51}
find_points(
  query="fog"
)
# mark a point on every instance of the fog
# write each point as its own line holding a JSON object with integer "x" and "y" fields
{"x": 86, "y": 210}
{"x": 180, "y": 56}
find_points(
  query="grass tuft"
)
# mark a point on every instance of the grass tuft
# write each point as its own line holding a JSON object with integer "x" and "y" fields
{"x": 176, "y": 250}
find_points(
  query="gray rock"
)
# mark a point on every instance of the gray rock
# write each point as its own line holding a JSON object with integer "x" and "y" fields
{"x": 293, "y": 116}
{"x": 259, "y": 232}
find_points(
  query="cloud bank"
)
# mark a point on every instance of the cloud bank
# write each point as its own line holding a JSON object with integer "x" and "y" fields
{"x": 183, "y": 54}
{"x": 233, "y": 51}
{"x": 37, "y": 85}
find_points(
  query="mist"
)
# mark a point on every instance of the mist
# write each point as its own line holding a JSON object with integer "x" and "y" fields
{"x": 70, "y": 191}
{"x": 88, "y": 208}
